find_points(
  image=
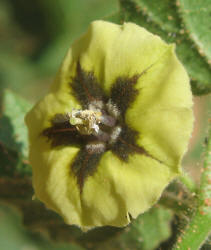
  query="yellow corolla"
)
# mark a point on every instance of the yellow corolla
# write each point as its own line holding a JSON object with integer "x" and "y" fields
{"x": 110, "y": 135}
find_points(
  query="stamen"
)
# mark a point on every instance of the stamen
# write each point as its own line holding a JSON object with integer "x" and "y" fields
{"x": 96, "y": 147}
{"x": 102, "y": 136}
{"x": 108, "y": 120}
{"x": 86, "y": 121}
{"x": 115, "y": 134}
{"x": 112, "y": 109}
{"x": 96, "y": 105}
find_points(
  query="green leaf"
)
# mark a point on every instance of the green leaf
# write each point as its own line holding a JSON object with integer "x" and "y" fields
{"x": 147, "y": 232}
{"x": 163, "y": 13}
{"x": 116, "y": 17}
{"x": 195, "y": 65}
{"x": 196, "y": 16}
{"x": 13, "y": 132}
{"x": 153, "y": 227}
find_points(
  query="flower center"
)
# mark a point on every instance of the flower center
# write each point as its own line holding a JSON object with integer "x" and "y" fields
{"x": 99, "y": 126}
{"x": 99, "y": 120}
{"x": 86, "y": 121}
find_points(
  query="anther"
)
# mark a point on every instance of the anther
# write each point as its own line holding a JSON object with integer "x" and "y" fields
{"x": 96, "y": 147}
{"x": 112, "y": 109}
{"x": 86, "y": 121}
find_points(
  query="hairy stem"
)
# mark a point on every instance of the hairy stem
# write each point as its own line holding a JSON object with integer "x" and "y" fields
{"x": 189, "y": 184}
{"x": 197, "y": 231}
{"x": 181, "y": 207}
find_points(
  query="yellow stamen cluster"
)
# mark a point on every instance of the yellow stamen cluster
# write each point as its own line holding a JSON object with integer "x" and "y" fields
{"x": 86, "y": 121}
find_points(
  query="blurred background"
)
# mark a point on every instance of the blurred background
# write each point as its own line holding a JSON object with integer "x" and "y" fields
{"x": 34, "y": 37}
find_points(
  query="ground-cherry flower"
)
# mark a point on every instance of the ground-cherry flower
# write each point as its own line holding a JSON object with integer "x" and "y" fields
{"x": 111, "y": 133}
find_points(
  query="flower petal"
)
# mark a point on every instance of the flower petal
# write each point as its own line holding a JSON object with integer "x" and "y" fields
{"x": 112, "y": 50}
{"x": 119, "y": 189}
{"x": 116, "y": 190}
{"x": 53, "y": 182}
{"x": 162, "y": 112}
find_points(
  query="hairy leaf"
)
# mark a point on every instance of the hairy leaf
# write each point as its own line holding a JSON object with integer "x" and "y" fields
{"x": 196, "y": 16}
{"x": 13, "y": 133}
{"x": 164, "y": 13}
{"x": 145, "y": 233}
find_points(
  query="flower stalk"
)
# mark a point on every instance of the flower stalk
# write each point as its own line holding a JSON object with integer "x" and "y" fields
{"x": 199, "y": 226}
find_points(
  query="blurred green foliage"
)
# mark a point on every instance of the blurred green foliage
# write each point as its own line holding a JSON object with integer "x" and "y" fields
{"x": 34, "y": 39}
{"x": 14, "y": 237}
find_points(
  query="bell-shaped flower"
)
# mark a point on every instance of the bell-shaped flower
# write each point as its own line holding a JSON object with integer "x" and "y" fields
{"x": 111, "y": 133}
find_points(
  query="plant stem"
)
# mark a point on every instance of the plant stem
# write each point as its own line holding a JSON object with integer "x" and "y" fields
{"x": 199, "y": 227}
{"x": 179, "y": 206}
{"x": 188, "y": 182}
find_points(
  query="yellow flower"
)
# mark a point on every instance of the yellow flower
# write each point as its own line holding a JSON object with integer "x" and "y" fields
{"x": 111, "y": 133}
